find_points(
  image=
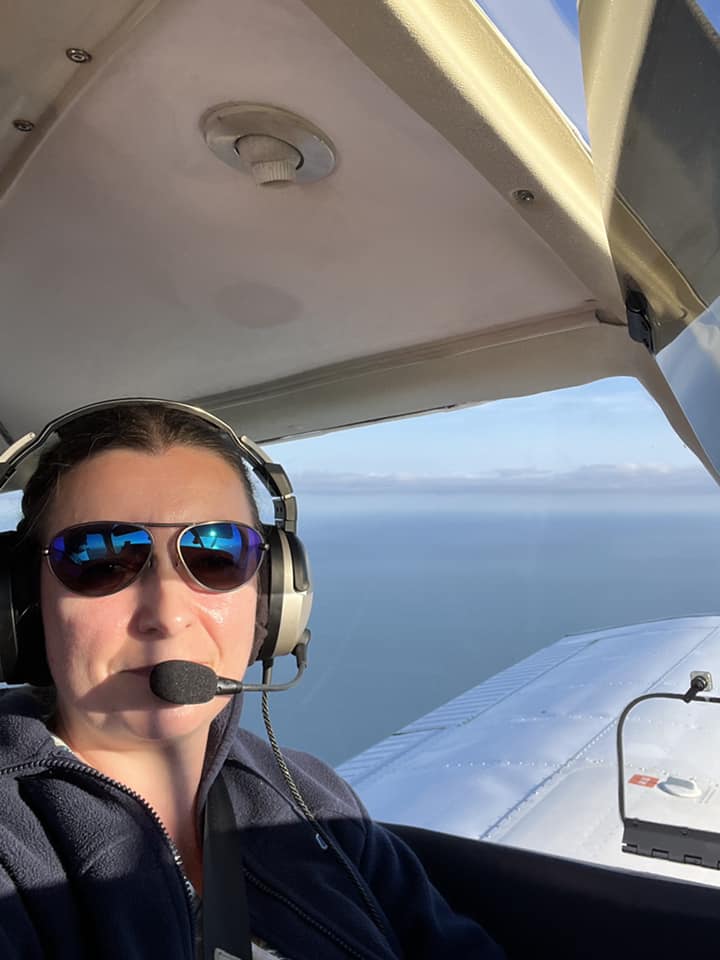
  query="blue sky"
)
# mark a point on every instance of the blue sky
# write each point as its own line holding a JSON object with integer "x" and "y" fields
{"x": 595, "y": 432}
{"x": 604, "y": 437}
{"x": 711, "y": 9}
{"x": 545, "y": 34}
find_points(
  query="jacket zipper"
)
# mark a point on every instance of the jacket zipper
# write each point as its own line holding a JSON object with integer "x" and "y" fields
{"x": 351, "y": 951}
{"x": 95, "y": 774}
{"x": 177, "y": 858}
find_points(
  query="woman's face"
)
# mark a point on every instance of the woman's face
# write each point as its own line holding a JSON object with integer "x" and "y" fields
{"x": 101, "y": 649}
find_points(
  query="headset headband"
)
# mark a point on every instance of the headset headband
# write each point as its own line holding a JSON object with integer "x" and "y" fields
{"x": 270, "y": 474}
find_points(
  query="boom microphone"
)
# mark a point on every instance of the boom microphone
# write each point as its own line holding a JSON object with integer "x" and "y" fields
{"x": 182, "y": 681}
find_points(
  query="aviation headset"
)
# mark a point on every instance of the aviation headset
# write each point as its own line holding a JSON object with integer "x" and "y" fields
{"x": 287, "y": 573}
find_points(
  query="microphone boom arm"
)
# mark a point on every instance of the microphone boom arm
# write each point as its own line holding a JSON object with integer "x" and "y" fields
{"x": 226, "y": 686}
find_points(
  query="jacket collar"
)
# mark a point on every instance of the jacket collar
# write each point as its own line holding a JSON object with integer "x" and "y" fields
{"x": 25, "y": 738}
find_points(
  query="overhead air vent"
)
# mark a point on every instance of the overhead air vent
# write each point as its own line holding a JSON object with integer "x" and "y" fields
{"x": 274, "y": 146}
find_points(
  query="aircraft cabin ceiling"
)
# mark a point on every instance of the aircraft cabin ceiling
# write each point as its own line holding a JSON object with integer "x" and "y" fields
{"x": 456, "y": 254}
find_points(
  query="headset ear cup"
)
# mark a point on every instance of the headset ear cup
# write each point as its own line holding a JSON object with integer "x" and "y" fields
{"x": 22, "y": 639}
{"x": 8, "y": 637}
{"x": 290, "y": 593}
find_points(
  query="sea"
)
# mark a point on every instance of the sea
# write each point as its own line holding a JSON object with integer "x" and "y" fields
{"x": 419, "y": 600}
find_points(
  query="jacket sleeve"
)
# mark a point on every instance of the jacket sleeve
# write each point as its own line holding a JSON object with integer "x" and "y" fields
{"x": 423, "y": 922}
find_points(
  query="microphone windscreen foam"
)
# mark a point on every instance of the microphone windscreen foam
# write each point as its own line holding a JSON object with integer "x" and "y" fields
{"x": 182, "y": 681}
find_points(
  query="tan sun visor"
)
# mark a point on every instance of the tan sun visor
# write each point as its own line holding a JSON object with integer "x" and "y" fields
{"x": 652, "y": 72}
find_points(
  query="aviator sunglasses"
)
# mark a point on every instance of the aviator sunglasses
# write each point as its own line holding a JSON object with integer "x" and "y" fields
{"x": 100, "y": 558}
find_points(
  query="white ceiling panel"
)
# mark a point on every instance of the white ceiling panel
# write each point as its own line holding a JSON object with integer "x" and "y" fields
{"x": 134, "y": 261}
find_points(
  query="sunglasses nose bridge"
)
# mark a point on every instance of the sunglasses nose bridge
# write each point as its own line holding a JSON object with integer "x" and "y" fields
{"x": 165, "y": 555}
{"x": 160, "y": 547}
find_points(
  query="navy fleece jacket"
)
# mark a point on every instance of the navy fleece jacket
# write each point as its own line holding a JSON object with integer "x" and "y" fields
{"x": 86, "y": 869}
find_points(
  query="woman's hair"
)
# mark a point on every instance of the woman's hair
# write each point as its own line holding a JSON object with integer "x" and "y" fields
{"x": 146, "y": 427}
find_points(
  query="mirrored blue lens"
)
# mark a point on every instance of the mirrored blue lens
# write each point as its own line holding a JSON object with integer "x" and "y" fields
{"x": 221, "y": 556}
{"x": 97, "y": 559}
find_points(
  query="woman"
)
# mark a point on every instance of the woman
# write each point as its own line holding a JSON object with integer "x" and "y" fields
{"x": 103, "y": 786}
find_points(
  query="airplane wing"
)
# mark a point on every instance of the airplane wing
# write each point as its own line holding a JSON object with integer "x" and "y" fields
{"x": 528, "y": 758}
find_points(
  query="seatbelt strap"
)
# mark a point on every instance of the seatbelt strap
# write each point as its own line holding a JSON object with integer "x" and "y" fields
{"x": 226, "y": 918}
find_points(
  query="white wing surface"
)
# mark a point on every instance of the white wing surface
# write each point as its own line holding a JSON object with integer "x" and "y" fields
{"x": 528, "y": 757}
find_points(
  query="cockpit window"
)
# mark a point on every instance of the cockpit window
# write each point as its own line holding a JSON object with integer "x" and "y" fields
{"x": 545, "y": 35}
{"x": 673, "y": 215}
{"x": 447, "y": 547}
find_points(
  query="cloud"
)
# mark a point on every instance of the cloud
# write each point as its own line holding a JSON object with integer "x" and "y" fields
{"x": 610, "y": 404}
{"x": 597, "y": 479}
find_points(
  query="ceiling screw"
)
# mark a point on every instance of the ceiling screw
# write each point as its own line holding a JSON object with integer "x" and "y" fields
{"x": 78, "y": 55}
{"x": 24, "y": 126}
{"x": 523, "y": 196}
